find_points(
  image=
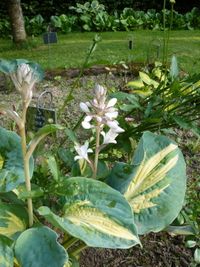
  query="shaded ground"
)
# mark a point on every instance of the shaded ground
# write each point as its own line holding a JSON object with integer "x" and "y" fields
{"x": 159, "y": 250}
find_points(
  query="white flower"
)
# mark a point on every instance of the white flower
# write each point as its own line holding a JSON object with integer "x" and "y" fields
{"x": 109, "y": 137}
{"x": 82, "y": 151}
{"x": 114, "y": 126}
{"x": 86, "y": 123}
{"x": 100, "y": 91}
{"x": 84, "y": 107}
{"x": 111, "y": 102}
{"x": 24, "y": 80}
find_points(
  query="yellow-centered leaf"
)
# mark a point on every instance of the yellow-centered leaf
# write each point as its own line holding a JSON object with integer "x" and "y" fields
{"x": 150, "y": 172}
{"x": 82, "y": 215}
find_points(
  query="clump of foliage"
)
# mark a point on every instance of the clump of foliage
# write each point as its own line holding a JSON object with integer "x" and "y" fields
{"x": 159, "y": 100}
{"x": 93, "y": 16}
{"x": 94, "y": 202}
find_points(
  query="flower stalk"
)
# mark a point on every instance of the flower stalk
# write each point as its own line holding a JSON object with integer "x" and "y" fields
{"x": 100, "y": 114}
{"x": 98, "y": 130}
{"x": 26, "y": 172}
{"x": 24, "y": 79}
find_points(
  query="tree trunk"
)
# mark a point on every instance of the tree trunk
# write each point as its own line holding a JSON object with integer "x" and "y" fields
{"x": 17, "y": 21}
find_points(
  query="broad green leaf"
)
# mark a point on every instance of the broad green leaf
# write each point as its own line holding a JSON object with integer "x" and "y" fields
{"x": 66, "y": 156}
{"x": 1, "y": 162}
{"x": 83, "y": 169}
{"x": 6, "y": 252}
{"x": 197, "y": 255}
{"x": 71, "y": 135}
{"x": 13, "y": 219}
{"x": 94, "y": 213}
{"x": 11, "y": 197}
{"x": 72, "y": 262}
{"x": 136, "y": 84}
{"x": 42, "y": 133}
{"x": 146, "y": 79}
{"x": 53, "y": 167}
{"x": 12, "y": 171}
{"x": 181, "y": 230}
{"x": 9, "y": 66}
{"x": 154, "y": 184}
{"x": 39, "y": 247}
{"x": 187, "y": 125}
{"x": 191, "y": 243}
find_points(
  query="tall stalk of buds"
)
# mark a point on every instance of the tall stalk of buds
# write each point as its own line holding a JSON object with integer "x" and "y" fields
{"x": 100, "y": 115}
{"x": 24, "y": 79}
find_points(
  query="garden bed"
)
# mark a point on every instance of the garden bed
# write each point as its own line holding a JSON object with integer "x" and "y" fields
{"x": 158, "y": 249}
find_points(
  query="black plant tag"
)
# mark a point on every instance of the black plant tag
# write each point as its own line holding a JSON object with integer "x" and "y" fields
{"x": 39, "y": 116}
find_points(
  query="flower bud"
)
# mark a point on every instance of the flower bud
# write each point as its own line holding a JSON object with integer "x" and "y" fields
{"x": 24, "y": 80}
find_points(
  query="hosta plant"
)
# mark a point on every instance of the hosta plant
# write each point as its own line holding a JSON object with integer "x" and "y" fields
{"x": 96, "y": 203}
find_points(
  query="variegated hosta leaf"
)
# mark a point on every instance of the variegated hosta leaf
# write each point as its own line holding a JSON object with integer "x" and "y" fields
{"x": 13, "y": 219}
{"x": 9, "y": 66}
{"x": 154, "y": 184}
{"x": 6, "y": 252}
{"x": 39, "y": 247}
{"x": 11, "y": 171}
{"x": 94, "y": 213}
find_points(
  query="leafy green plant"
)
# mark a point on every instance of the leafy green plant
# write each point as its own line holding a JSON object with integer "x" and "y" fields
{"x": 96, "y": 203}
{"x": 36, "y": 25}
{"x": 159, "y": 100}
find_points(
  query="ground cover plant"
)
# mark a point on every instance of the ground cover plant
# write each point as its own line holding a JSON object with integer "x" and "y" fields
{"x": 121, "y": 202}
{"x": 112, "y": 49}
{"x": 93, "y": 16}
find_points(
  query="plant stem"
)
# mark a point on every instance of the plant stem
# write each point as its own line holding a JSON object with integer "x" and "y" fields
{"x": 96, "y": 151}
{"x": 26, "y": 167}
{"x": 164, "y": 29}
{"x": 78, "y": 250}
{"x": 70, "y": 242}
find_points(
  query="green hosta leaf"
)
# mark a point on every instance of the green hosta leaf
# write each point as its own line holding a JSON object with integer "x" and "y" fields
{"x": 53, "y": 167}
{"x": 138, "y": 84}
{"x": 6, "y": 253}
{"x": 181, "y": 230}
{"x": 13, "y": 219}
{"x": 154, "y": 184}
{"x": 94, "y": 213}
{"x": 12, "y": 171}
{"x": 42, "y": 133}
{"x": 146, "y": 79}
{"x": 197, "y": 255}
{"x": 9, "y": 66}
{"x": 72, "y": 262}
{"x": 85, "y": 170}
{"x": 191, "y": 243}
{"x": 39, "y": 247}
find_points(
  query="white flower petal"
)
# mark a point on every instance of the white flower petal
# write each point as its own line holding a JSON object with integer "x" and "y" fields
{"x": 119, "y": 130}
{"x": 77, "y": 157}
{"x": 109, "y": 137}
{"x": 111, "y": 102}
{"x": 84, "y": 107}
{"x": 99, "y": 91}
{"x": 82, "y": 151}
{"x": 98, "y": 118}
{"x": 112, "y": 124}
{"x": 88, "y": 118}
{"x": 86, "y": 125}
{"x": 111, "y": 115}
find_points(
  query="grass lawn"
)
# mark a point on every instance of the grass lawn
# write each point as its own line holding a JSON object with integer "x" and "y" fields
{"x": 71, "y": 49}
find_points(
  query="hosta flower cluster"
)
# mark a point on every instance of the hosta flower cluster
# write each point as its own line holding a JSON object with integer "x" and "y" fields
{"x": 24, "y": 80}
{"x": 101, "y": 114}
